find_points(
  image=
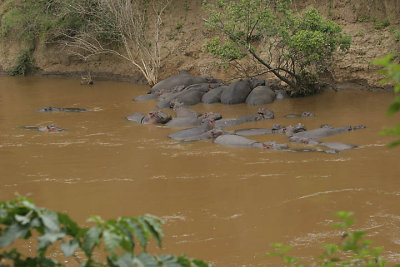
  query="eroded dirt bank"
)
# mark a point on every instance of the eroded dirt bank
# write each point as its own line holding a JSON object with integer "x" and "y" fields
{"x": 183, "y": 35}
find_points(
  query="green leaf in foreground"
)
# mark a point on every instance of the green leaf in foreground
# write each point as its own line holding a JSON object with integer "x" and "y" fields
{"x": 92, "y": 237}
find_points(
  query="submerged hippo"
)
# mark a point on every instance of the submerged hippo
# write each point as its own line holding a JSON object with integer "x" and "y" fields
{"x": 276, "y": 128}
{"x": 305, "y": 114}
{"x": 183, "y": 79}
{"x": 207, "y": 125}
{"x": 186, "y": 117}
{"x": 50, "y": 109}
{"x": 262, "y": 114}
{"x": 239, "y": 141}
{"x": 47, "y": 129}
{"x": 153, "y": 117}
{"x": 321, "y": 133}
{"x": 211, "y": 134}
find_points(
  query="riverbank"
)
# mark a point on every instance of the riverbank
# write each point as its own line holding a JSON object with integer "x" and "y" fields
{"x": 372, "y": 26}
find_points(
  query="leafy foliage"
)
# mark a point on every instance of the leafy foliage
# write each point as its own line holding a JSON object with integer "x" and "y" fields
{"x": 23, "y": 65}
{"x": 27, "y": 20}
{"x": 120, "y": 238}
{"x": 353, "y": 250}
{"x": 391, "y": 70}
{"x": 296, "y": 48}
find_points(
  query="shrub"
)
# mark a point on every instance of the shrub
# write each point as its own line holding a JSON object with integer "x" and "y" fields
{"x": 296, "y": 48}
{"x": 120, "y": 238}
{"x": 353, "y": 250}
{"x": 24, "y": 64}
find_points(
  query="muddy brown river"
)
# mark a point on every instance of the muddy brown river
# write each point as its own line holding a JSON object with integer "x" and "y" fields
{"x": 224, "y": 205}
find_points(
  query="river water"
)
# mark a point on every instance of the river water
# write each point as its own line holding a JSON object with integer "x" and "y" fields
{"x": 223, "y": 205}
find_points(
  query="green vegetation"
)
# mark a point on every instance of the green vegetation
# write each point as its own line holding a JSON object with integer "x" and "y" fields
{"x": 24, "y": 64}
{"x": 28, "y": 20}
{"x": 378, "y": 25}
{"x": 391, "y": 70}
{"x": 296, "y": 48}
{"x": 353, "y": 250}
{"x": 121, "y": 238}
{"x": 90, "y": 27}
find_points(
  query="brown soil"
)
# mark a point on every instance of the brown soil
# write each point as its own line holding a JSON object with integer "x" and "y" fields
{"x": 183, "y": 35}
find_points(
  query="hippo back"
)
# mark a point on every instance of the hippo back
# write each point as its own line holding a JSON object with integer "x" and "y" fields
{"x": 236, "y": 92}
{"x": 183, "y": 78}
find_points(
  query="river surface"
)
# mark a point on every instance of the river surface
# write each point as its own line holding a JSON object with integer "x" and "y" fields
{"x": 223, "y": 205}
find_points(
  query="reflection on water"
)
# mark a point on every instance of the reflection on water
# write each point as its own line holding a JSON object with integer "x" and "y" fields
{"x": 225, "y": 205}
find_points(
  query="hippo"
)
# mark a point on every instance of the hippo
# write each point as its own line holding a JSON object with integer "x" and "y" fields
{"x": 305, "y": 114}
{"x": 182, "y": 79}
{"x": 47, "y": 129}
{"x": 276, "y": 128}
{"x": 186, "y": 117}
{"x": 207, "y": 125}
{"x": 50, "y": 109}
{"x": 211, "y": 134}
{"x": 236, "y": 92}
{"x": 321, "y": 133}
{"x": 214, "y": 95}
{"x": 281, "y": 94}
{"x": 337, "y": 146}
{"x": 145, "y": 97}
{"x": 182, "y": 111}
{"x": 239, "y": 141}
{"x": 262, "y": 114}
{"x": 153, "y": 117}
{"x": 191, "y": 95}
{"x": 260, "y": 95}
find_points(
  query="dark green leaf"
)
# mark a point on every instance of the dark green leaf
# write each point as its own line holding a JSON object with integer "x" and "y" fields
{"x": 69, "y": 247}
{"x": 72, "y": 227}
{"x": 168, "y": 261}
{"x": 199, "y": 263}
{"x": 393, "y": 108}
{"x": 139, "y": 233}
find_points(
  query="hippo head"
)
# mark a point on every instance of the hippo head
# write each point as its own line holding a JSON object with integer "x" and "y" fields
{"x": 256, "y": 82}
{"x": 154, "y": 117}
{"x": 47, "y": 109}
{"x": 327, "y": 126}
{"x": 264, "y": 113}
{"x": 214, "y": 133}
{"x": 50, "y": 128}
{"x": 176, "y": 104}
{"x": 307, "y": 114}
{"x": 276, "y": 127}
{"x": 207, "y": 123}
{"x": 212, "y": 115}
{"x": 299, "y": 128}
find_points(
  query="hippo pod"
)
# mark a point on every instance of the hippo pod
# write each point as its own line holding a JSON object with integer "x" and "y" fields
{"x": 262, "y": 114}
{"x": 46, "y": 129}
{"x": 50, "y": 109}
{"x": 189, "y": 96}
{"x": 239, "y": 141}
{"x": 153, "y": 117}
